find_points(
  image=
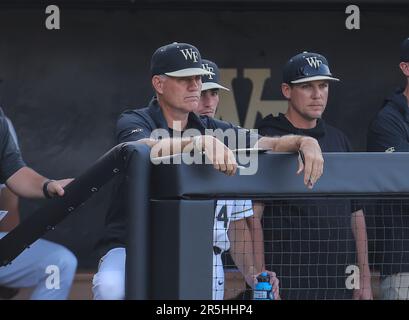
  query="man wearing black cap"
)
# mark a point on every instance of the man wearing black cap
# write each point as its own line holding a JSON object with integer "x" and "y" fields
{"x": 313, "y": 263}
{"x": 389, "y": 132}
{"x": 209, "y": 98}
{"x": 176, "y": 71}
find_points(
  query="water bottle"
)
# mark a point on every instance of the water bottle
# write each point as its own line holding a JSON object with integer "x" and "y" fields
{"x": 263, "y": 289}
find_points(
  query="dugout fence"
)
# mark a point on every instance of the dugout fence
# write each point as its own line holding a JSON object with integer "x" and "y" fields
{"x": 171, "y": 212}
{"x": 182, "y": 202}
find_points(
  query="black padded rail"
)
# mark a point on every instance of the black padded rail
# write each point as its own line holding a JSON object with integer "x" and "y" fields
{"x": 139, "y": 229}
{"x": 57, "y": 209}
{"x": 344, "y": 174}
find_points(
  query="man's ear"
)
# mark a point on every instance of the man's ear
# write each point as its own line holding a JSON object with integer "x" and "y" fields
{"x": 157, "y": 84}
{"x": 286, "y": 90}
{"x": 404, "y": 66}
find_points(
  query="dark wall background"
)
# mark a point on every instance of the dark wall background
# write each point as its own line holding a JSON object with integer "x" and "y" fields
{"x": 64, "y": 89}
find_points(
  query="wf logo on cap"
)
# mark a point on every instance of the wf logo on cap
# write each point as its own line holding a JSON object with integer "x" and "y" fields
{"x": 305, "y": 67}
{"x": 207, "y": 67}
{"x": 190, "y": 54}
{"x": 177, "y": 60}
{"x": 314, "y": 62}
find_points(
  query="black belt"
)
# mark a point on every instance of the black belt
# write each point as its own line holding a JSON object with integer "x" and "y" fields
{"x": 217, "y": 250}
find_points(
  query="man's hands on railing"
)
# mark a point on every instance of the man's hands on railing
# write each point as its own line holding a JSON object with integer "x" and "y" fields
{"x": 215, "y": 151}
{"x": 310, "y": 160}
{"x": 223, "y": 159}
{"x": 219, "y": 154}
{"x": 56, "y": 188}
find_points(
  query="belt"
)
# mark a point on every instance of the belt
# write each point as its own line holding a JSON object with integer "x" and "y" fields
{"x": 217, "y": 250}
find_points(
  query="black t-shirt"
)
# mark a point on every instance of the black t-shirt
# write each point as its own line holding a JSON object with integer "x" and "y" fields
{"x": 309, "y": 243}
{"x": 10, "y": 157}
{"x": 137, "y": 124}
{"x": 329, "y": 138}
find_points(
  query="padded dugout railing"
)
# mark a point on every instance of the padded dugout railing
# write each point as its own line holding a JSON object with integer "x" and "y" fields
{"x": 169, "y": 244}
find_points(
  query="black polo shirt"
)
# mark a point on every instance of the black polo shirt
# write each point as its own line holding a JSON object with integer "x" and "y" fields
{"x": 10, "y": 157}
{"x": 138, "y": 124}
{"x": 309, "y": 243}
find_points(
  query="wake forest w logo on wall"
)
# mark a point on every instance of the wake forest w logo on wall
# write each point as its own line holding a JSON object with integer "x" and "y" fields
{"x": 244, "y": 107}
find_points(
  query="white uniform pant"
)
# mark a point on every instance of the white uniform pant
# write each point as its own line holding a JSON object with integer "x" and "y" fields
{"x": 218, "y": 277}
{"x": 395, "y": 287}
{"x": 109, "y": 281}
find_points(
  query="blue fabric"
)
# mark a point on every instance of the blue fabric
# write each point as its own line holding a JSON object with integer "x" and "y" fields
{"x": 36, "y": 267}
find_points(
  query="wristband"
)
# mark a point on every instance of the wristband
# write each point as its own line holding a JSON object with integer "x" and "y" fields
{"x": 45, "y": 189}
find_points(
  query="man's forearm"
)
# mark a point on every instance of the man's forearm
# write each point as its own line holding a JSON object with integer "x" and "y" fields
{"x": 361, "y": 240}
{"x": 27, "y": 183}
{"x": 288, "y": 143}
{"x": 241, "y": 248}
{"x": 169, "y": 146}
{"x": 256, "y": 232}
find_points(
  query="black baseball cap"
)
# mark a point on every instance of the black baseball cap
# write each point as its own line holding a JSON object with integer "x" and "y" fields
{"x": 305, "y": 67}
{"x": 177, "y": 60}
{"x": 404, "y": 51}
{"x": 211, "y": 81}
